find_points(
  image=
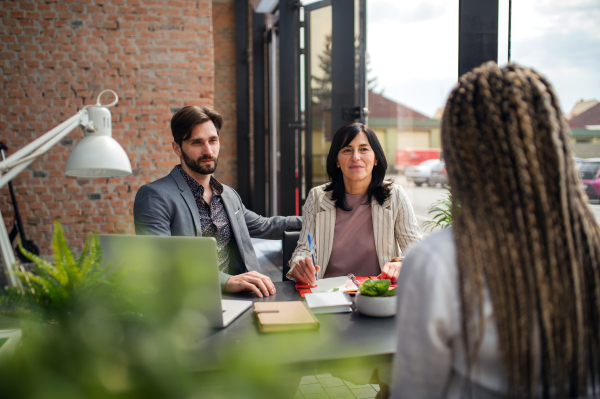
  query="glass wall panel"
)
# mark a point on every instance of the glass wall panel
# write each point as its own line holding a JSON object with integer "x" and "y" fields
{"x": 412, "y": 65}
{"x": 561, "y": 40}
{"x": 319, "y": 60}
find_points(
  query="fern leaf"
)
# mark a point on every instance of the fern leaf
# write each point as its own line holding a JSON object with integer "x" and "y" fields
{"x": 91, "y": 257}
{"x": 63, "y": 256}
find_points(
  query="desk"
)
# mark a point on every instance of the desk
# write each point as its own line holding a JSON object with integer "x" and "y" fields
{"x": 346, "y": 340}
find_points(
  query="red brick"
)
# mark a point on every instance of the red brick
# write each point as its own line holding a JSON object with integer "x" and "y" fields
{"x": 51, "y": 69}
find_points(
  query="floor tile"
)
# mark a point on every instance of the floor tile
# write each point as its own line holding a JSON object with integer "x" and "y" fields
{"x": 317, "y": 396}
{"x": 298, "y": 395}
{"x": 311, "y": 389}
{"x": 331, "y": 382}
{"x": 309, "y": 379}
{"x": 364, "y": 393}
{"x": 319, "y": 376}
{"x": 375, "y": 387}
{"x": 337, "y": 392}
{"x": 353, "y": 386}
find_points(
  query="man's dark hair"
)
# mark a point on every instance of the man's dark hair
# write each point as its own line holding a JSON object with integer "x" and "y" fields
{"x": 183, "y": 122}
{"x": 377, "y": 188}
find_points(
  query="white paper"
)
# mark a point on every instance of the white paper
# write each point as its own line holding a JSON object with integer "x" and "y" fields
{"x": 334, "y": 284}
{"x": 335, "y": 309}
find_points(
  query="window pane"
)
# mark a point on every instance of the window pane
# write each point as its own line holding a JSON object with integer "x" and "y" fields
{"x": 320, "y": 83}
{"x": 561, "y": 40}
{"x": 412, "y": 66}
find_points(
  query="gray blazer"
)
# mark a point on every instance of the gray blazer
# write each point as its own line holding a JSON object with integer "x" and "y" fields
{"x": 166, "y": 207}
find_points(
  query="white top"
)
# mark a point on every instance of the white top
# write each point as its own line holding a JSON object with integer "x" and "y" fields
{"x": 430, "y": 358}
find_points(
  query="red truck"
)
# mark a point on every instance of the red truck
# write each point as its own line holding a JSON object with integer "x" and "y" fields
{"x": 406, "y": 157}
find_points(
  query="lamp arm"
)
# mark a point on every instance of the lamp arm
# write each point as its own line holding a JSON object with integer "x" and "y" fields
{"x": 21, "y": 159}
{"x": 42, "y": 144}
{"x": 59, "y": 131}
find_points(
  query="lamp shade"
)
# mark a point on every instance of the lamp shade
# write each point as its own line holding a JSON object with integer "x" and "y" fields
{"x": 98, "y": 156}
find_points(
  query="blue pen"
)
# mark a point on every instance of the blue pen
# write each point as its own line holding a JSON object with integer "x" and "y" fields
{"x": 310, "y": 246}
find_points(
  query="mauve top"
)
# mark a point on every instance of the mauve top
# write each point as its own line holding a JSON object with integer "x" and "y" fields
{"x": 353, "y": 249}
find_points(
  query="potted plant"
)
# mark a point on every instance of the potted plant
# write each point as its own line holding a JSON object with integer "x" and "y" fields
{"x": 441, "y": 213}
{"x": 376, "y": 299}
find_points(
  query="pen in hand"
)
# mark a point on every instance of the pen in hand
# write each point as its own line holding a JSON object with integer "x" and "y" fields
{"x": 310, "y": 246}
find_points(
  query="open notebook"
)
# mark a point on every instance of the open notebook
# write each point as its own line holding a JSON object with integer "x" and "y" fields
{"x": 175, "y": 268}
{"x": 333, "y": 284}
{"x": 329, "y": 302}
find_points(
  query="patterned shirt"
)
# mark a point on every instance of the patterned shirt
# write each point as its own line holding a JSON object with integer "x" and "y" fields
{"x": 213, "y": 218}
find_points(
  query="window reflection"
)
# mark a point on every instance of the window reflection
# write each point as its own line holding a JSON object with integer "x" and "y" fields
{"x": 320, "y": 96}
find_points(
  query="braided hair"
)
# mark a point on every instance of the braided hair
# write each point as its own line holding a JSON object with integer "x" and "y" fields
{"x": 523, "y": 229}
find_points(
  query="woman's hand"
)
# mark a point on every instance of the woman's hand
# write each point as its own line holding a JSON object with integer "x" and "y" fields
{"x": 391, "y": 271}
{"x": 304, "y": 272}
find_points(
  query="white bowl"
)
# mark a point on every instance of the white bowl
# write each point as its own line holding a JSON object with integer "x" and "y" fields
{"x": 376, "y": 306}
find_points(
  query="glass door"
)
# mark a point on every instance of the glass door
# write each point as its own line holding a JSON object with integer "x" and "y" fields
{"x": 318, "y": 85}
{"x": 333, "y": 76}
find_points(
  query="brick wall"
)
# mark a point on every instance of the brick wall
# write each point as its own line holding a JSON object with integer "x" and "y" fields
{"x": 225, "y": 101}
{"x": 56, "y": 56}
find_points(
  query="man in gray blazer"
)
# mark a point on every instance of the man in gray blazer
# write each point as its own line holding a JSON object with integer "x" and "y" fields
{"x": 191, "y": 202}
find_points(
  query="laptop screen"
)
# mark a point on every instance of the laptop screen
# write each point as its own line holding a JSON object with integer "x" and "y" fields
{"x": 168, "y": 276}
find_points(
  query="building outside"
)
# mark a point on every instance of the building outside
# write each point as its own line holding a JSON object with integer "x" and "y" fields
{"x": 399, "y": 127}
{"x": 584, "y": 122}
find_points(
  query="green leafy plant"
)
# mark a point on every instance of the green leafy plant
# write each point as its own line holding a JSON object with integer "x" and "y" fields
{"x": 441, "y": 213}
{"x": 130, "y": 331}
{"x": 373, "y": 287}
{"x": 49, "y": 292}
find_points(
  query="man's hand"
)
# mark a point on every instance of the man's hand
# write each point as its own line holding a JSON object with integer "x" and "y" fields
{"x": 391, "y": 271}
{"x": 304, "y": 272}
{"x": 260, "y": 284}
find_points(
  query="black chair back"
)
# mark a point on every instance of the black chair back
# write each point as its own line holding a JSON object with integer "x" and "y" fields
{"x": 290, "y": 240}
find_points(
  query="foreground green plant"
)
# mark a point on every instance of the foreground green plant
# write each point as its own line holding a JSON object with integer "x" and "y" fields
{"x": 372, "y": 287}
{"x": 130, "y": 331}
{"x": 441, "y": 213}
{"x": 50, "y": 291}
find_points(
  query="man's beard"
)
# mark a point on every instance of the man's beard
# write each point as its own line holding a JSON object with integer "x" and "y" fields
{"x": 196, "y": 165}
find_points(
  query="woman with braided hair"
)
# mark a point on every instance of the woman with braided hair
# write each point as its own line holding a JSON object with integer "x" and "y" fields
{"x": 509, "y": 297}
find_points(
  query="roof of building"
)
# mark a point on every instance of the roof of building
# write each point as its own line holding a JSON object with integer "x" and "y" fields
{"x": 581, "y": 107}
{"x": 381, "y": 107}
{"x": 589, "y": 117}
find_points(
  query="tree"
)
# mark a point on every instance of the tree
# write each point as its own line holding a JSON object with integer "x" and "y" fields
{"x": 322, "y": 85}
{"x": 371, "y": 80}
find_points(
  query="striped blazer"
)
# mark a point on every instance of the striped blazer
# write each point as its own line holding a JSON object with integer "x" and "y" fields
{"x": 394, "y": 225}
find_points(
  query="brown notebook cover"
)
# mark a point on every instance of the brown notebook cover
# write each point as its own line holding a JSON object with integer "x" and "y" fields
{"x": 284, "y": 316}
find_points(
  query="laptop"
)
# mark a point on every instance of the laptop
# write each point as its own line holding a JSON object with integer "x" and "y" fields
{"x": 172, "y": 273}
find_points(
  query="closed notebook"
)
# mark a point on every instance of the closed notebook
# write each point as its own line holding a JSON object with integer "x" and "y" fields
{"x": 284, "y": 316}
{"x": 329, "y": 302}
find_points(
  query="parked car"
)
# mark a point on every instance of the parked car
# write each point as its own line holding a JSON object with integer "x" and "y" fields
{"x": 589, "y": 172}
{"x": 406, "y": 157}
{"x": 421, "y": 173}
{"x": 439, "y": 175}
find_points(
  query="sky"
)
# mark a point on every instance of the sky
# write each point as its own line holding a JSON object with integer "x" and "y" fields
{"x": 413, "y": 47}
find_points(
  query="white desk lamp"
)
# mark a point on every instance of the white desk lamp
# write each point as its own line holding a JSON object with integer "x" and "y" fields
{"x": 96, "y": 155}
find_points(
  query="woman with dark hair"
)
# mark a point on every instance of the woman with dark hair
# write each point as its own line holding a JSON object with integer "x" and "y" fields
{"x": 358, "y": 222}
{"x": 509, "y": 297}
